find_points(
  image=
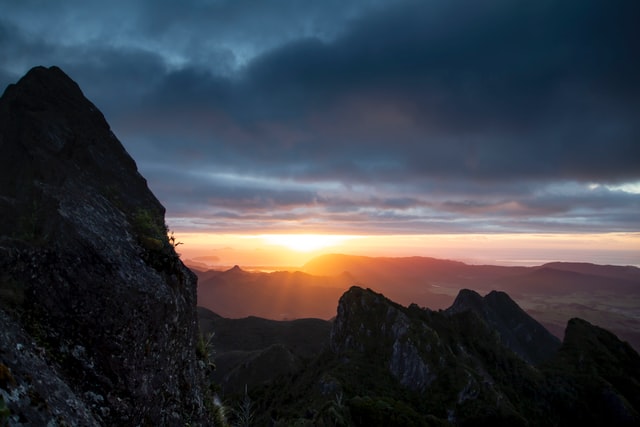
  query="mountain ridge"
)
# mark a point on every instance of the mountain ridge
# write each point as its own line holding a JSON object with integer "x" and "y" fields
{"x": 552, "y": 292}
{"x": 394, "y": 365}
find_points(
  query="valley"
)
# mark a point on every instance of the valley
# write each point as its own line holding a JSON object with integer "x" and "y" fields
{"x": 482, "y": 361}
{"x": 608, "y": 296}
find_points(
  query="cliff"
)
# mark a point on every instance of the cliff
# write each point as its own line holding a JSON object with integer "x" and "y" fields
{"x": 469, "y": 365}
{"x": 100, "y": 311}
{"x": 456, "y": 360}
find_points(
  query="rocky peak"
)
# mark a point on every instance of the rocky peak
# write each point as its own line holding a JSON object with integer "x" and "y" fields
{"x": 467, "y": 299}
{"x": 611, "y": 394}
{"x": 468, "y": 362}
{"x": 590, "y": 349}
{"x": 86, "y": 267}
{"x": 235, "y": 271}
{"x": 57, "y": 146}
{"x": 370, "y": 324}
{"x": 517, "y": 330}
{"x": 362, "y": 315}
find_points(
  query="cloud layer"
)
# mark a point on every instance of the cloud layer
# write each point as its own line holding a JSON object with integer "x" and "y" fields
{"x": 360, "y": 116}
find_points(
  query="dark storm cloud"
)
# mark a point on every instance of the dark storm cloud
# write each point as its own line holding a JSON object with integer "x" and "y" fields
{"x": 493, "y": 95}
{"x": 406, "y": 115}
{"x": 490, "y": 93}
{"x": 201, "y": 189}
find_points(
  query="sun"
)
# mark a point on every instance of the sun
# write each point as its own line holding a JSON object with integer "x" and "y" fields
{"x": 305, "y": 242}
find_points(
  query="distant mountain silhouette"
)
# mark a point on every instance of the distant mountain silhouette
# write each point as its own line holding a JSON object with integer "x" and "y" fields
{"x": 552, "y": 293}
{"x": 425, "y": 273}
{"x": 611, "y": 271}
{"x": 561, "y": 280}
{"x": 278, "y": 295}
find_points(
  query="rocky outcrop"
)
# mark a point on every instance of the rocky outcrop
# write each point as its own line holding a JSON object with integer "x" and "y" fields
{"x": 87, "y": 271}
{"x": 471, "y": 364}
{"x": 457, "y": 361}
{"x": 603, "y": 373}
{"x": 517, "y": 330}
{"x": 369, "y": 323}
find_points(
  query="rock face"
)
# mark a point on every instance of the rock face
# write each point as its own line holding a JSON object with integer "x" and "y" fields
{"x": 471, "y": 365}
{"x": 87, "y": 274}
{"x": 368, "y": 323}
{"x": 608, "y": 369}
{"x": 517, "y": 330}
{"x": 457, "y": 361}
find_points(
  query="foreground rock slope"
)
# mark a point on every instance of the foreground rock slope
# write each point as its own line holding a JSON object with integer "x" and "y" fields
{"x": 98, "y": 312}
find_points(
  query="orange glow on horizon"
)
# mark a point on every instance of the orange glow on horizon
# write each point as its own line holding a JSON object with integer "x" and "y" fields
{"x": 294, "y": 250}
{"x": 305, "y": 242}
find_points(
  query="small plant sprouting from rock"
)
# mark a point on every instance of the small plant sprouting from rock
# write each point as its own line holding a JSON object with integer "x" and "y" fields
{"x": 146, "y": 224}
{"x": 172, "y": 240}
{"x": 159, "y": 246}
{"x": 219, "y": 412}
{"x": 244, "y": 414}
{"x": 204, "y": 348}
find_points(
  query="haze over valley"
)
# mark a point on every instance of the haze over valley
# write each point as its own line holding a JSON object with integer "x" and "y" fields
{"x": 552, "y": 293}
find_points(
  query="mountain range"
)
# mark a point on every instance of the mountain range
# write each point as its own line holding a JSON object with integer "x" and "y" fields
{"x": 483, "y": 361}
{"x": 554, "y": 293}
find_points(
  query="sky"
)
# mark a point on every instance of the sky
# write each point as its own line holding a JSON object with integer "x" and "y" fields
{"x": 397, "y": 119}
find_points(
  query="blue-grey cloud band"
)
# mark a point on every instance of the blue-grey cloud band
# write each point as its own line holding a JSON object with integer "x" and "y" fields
{"x": 412, "y": 116}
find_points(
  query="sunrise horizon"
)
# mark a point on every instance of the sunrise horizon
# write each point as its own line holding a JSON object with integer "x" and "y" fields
{"x": 266, "y": 251}
{"x": 471, "y": 133}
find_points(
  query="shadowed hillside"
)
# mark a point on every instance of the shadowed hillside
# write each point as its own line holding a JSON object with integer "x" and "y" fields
{"x": 553, "y": 293}
{"x": 279, "y": 295}
{"x": 253, "y": 350}
{"x": 390, "y": 365}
